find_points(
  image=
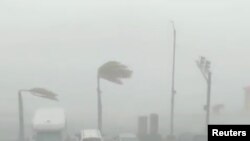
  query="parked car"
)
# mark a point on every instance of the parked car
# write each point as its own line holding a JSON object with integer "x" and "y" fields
{"x": 91, "y": 135}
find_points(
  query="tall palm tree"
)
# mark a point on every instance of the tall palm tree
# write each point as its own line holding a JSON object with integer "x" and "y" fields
{"x": 111, "y": 71}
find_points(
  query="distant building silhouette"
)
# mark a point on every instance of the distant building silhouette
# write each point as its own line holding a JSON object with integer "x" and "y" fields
{"x": 142, "y": 125}
{"x": 153, "y": 134}
{"x": 154, "y": 124}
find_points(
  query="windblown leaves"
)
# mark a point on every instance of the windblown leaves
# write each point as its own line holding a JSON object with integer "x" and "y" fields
{"x": 41, "y": 92}
{"x": 114, "y": 71}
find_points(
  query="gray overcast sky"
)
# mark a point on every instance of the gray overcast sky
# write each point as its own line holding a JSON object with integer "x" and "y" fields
{"x": 59, "y": 44}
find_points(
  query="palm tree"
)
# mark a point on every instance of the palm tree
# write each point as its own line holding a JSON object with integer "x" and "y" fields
{"x": 111, "y": 71}
{"x": 40, "y": 92}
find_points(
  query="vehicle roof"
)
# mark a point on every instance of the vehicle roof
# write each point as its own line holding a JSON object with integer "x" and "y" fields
{"x": 49, "y": 119}
{"x": 90, "y": 133}
{"x": 127, "y": 135}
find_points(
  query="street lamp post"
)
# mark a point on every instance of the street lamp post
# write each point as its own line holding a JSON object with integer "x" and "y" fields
{"x": 204, "y": 66}
{"x": 173, "y": 91}
{"x": 40, "y": 92}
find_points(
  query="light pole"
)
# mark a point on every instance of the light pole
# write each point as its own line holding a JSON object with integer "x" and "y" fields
{"x": 204, "y": 66}
{"x": 40, "y": 92}
{"x": 173, "y": 91}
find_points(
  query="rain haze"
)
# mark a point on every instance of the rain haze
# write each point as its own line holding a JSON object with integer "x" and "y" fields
{"x": 60, "y": 44}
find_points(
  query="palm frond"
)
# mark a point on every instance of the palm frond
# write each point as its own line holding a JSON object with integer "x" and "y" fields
{"x": 44, "y": 93}
{"x": 114, "y": 71}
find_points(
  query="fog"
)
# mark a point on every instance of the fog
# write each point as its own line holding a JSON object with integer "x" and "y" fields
{"x": 60, "y": 44}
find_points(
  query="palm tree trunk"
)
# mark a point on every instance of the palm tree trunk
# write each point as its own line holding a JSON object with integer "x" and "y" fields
{"x": 99, "y": 105}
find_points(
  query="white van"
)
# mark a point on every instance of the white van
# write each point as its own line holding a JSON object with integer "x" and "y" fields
{"x": 91, "y": 135}
{"x": 49, "y": 125}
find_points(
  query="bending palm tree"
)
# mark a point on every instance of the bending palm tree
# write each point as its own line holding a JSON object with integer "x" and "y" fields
{"x": 112, "y": 71}
{"x": 39, "y": 92}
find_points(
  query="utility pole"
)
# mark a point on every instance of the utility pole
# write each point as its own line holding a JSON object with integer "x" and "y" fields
{"x": 204, "y": 66}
